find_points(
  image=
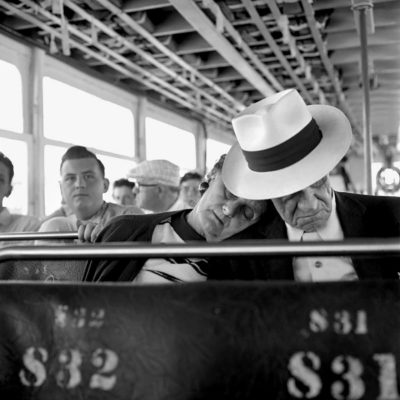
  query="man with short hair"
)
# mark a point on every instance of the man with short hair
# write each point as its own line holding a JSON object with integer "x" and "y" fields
{"x": 285, "y": 152}
{"x": 124, "y": 192}
{"x": 189, "y": 193}
{"x": 12, "y": 222}
{"x": 82, "y": 184}
{"x": 217, "y": 216}
{"x": 158, "y": 184}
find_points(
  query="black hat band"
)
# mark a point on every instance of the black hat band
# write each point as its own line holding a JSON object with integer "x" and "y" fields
{"x": 287, "y": 153}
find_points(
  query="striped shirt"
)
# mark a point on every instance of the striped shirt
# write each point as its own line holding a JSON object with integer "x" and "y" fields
{"x": 176, "y": 270}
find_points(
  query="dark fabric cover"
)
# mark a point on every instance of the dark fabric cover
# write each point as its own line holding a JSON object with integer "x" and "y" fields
{"x": 214, "y": 340}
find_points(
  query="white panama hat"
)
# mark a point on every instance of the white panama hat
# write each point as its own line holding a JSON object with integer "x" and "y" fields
{"x": 284, "y": 146}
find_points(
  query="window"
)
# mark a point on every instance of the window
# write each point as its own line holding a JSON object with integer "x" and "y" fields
{"x": 164, "y": 141}
{"x": 10, "y": 98}
{"x": 214, "y": 151}
{"x": 17, "y": 152}
{"x": 75, "y": 116}
{"x": 52, "y": 193}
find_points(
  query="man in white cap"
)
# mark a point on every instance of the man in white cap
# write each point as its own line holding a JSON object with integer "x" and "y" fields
{"x": 158, "y": 184}
{"x": 285, "y": 152}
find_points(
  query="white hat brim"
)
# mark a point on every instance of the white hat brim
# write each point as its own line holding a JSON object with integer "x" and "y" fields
{"x": 336, "y": 140}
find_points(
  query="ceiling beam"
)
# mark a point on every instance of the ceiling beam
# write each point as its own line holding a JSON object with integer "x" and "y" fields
{"x": 382, "y": 36}
{"x": 143, "y": 5}
{"x": 170, "y": 54}
{"x": 256, "y": 19}
{"x": 309, "y": 12}
{"x": 196, "y": 17}
{"x": 172, "y": 25}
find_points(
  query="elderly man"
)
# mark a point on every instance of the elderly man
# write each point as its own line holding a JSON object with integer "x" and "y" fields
{"x": 217, "y": 216}
{"x": 158, "y": 183}
{"x": 285, "y": 151}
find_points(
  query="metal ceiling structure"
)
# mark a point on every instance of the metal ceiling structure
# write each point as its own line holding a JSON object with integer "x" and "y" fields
{"x": 211, "y": 58}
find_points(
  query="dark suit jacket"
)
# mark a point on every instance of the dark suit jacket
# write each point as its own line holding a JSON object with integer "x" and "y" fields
{"x": 360, "y": 216}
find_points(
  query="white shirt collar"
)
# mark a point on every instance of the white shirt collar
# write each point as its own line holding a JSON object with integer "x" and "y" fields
{"x": 330, "y": 231}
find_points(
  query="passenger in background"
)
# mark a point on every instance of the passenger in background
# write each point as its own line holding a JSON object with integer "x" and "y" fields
{"x": 158, "y": 184}
{"x": 82, "y": 184}
{"x": 12, "y": 222}
{"x": 296, "y": 148}
{"x": 189, "y": 193}
{"x": 124, "y": 192}
{"x": 217, "y": 216}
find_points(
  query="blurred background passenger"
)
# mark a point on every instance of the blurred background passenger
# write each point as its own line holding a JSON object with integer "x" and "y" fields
{"x": 124, "y": 192}
{"x": 158, "y": 184}
{"x": 12, "y": 222}
{"x": 189, "y": 193}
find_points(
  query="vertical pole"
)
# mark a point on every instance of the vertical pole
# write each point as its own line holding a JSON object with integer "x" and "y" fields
{"x": 362, "y": 20}
{"x": 35, "y": 118}
{"x": 140, "y": 131}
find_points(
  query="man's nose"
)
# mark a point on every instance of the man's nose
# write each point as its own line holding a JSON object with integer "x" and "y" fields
{"x": 80, "y": 181}
{"x": 307, "y": 200}
{"x": 230, "y": 208}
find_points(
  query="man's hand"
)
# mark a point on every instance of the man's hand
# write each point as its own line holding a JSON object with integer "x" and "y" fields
{"x": 88, "y": 232}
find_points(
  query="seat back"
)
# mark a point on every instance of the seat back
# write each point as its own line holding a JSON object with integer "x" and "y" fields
{"x": 200, "y": 341}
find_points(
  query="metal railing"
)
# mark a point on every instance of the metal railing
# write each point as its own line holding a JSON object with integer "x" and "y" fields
{"x": 360, "y": 247}
{"x": 20, "y": 236}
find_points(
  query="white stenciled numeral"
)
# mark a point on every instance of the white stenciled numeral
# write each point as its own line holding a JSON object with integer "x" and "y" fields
{"x": 69, "y": 376}
{"x": 342, "y": 322}
{"x": 37, "y": 371}
{"x": 387, "y": 377}
{"x": 361, "y": 323}
{"x": 304, "y": 374}
{"x": 318, "y": 320}
{"x": 107, "y": 361}
{"x": 350, "y": 369}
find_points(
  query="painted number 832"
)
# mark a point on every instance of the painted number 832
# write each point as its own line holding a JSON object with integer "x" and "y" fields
{"x": 68, "y": 375}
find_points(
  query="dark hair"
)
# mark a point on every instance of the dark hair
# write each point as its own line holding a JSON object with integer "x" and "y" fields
{"x": 189, "y": 176}
{"x": 7, "y": 162}
{"x": 78, "y": 152}
{"x": 123, "y": 182}
{"x": 216, "y": 169}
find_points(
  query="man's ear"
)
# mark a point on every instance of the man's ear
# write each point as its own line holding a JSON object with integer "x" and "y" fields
{"x": 10, "y": 189}
{"x": 106, "y": 183}
{"x": 203, "y": 187}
